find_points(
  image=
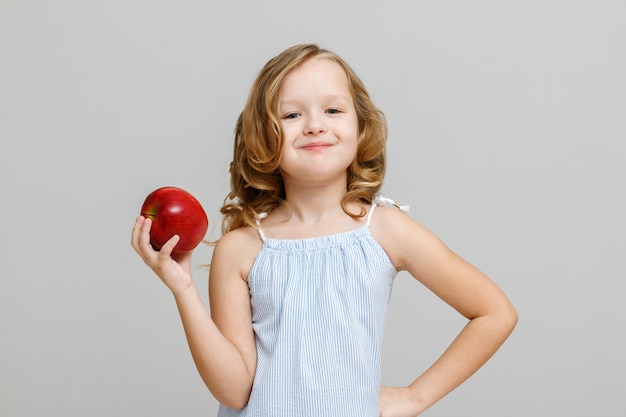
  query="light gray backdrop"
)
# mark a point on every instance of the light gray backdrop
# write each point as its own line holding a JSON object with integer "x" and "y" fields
{"x": 507, "y": 138}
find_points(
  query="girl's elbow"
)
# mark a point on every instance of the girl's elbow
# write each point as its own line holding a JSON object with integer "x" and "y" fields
{"x": 233, "y": 400}
{"x": 236, "y": 405}
{"x": 509, "y": 317}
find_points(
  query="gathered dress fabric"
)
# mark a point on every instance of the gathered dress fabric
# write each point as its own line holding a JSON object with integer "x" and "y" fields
{"x": 318, "y": 313}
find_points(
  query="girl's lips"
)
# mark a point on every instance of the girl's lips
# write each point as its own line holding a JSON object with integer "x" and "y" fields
{"x": 316, "y": 145}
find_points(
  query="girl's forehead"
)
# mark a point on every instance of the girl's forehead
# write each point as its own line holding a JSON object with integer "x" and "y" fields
{"x": 316, "y": 66}
{"x": 316, "y": 75}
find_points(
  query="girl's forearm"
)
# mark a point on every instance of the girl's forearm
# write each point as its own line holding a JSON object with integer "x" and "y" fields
{"x": 218, "y": 361}
{"x": 474, "y": 345}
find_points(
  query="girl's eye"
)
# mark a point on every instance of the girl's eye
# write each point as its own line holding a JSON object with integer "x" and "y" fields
{"x": 293, "y": 115}
{"x": 333, "y": 111}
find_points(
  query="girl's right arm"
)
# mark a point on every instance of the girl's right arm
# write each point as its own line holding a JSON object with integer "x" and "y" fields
{"x": 225, "y": 356}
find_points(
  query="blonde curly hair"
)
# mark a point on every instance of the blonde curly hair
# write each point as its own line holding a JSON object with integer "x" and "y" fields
{"x": 255, "y": 177}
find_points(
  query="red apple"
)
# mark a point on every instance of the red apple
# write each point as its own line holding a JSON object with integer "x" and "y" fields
{"x": 174, "y": 211}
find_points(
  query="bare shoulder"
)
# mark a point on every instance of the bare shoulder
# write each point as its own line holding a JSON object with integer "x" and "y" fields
{"x": 241, "y": 236}
{"x": 403, "y": 238}
{"x": 238, "y": 249}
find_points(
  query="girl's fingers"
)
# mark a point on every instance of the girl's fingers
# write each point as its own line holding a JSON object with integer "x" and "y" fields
{"x": 144, "y": 235}
{"x": 134, "y": 238}
{"x": 172, "y": 273}
{"x": 140, "y": 239}
{"x": 168, "y": 247}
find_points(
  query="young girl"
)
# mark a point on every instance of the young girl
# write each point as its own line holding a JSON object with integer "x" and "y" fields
{"x": 301, "y": 278}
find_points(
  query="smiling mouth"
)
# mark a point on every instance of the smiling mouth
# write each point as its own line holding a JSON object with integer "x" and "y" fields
{"x": 314, "y": 146}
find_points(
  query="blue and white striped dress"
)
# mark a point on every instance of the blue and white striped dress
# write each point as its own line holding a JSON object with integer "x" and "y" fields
{"x": 318, "y": 312}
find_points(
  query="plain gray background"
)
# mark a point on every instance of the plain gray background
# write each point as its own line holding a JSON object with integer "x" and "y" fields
{"x": 507, "y": 138}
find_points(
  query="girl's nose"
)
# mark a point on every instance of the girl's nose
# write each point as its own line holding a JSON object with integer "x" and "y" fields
{"x": 314, "y": 126}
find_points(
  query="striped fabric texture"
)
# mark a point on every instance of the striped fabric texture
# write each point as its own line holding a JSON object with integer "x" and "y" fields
{"x": 318, "y": 311}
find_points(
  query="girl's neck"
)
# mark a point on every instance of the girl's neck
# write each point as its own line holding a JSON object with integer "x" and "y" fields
{"x": 312, "y": 205}
{"x": 311, "y": 212}
{"x": 310, "y": 216}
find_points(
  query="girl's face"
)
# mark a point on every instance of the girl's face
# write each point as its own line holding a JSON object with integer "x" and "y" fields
{"x": 319, "y": 123}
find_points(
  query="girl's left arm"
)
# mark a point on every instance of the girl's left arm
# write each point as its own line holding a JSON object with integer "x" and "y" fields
{"x": 491, "y": 315}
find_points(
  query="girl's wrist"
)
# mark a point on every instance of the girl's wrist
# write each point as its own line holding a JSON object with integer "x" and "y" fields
{"x": 419, "y": 404}
{"x": 183, "y": 293}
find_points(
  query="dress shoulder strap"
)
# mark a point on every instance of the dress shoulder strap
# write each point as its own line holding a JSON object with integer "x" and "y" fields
{"x": 258, "y": 225}
{"x": 379, "y": 200}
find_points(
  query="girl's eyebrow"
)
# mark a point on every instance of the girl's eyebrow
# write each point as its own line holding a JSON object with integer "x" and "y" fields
{"x": 330, "y": 97}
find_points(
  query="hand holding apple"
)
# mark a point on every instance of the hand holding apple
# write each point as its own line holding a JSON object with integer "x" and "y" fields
{"x": 174, "y": 211}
